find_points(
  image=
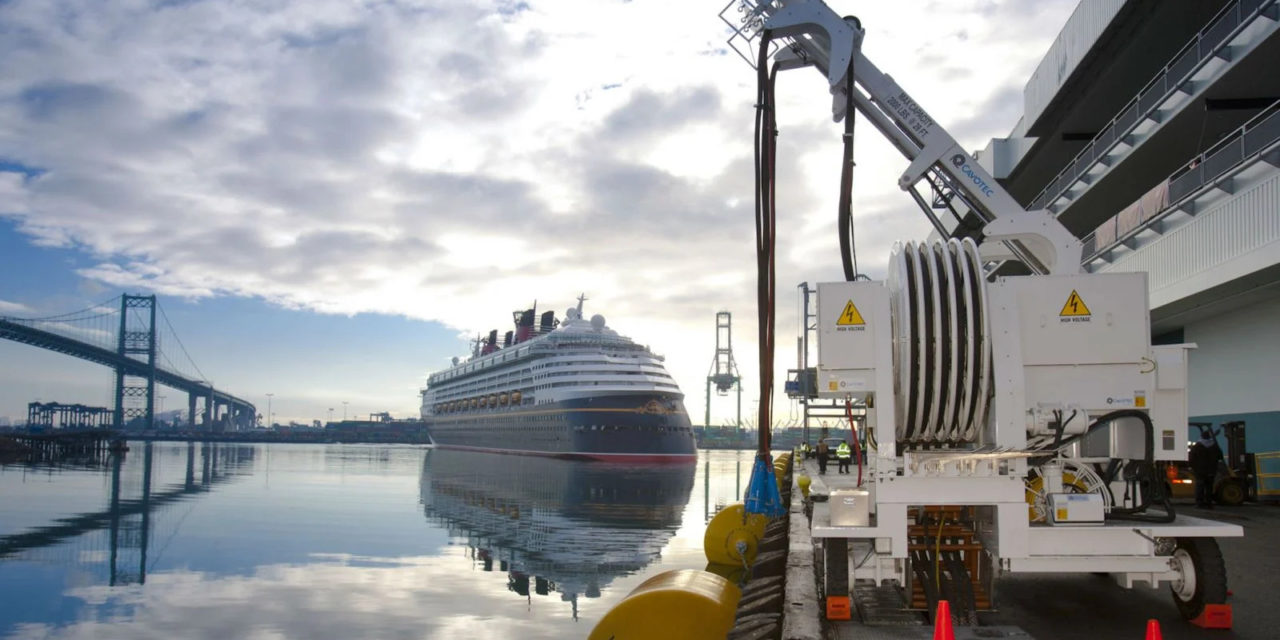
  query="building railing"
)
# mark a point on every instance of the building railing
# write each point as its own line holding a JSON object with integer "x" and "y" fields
{"x": 1210, "y": 167}
{"x": 1224, "y": 26}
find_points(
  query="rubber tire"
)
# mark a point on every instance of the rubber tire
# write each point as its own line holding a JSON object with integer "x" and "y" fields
{"x": 1231, "y": 493}
{"x": 1211, "y": 576}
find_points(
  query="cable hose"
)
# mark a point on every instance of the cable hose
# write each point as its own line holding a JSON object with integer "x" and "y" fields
{"x": 844, "y": 217}
{"x": 1146, "y": 470}
{"x": 764, "y": 163}
{"x": 853, "y": 429}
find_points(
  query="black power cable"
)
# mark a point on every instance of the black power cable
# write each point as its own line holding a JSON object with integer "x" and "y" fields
{"x": 1144, "y": 471}
{"x": 766, "y": 218}
{"x": 844, "y": 218}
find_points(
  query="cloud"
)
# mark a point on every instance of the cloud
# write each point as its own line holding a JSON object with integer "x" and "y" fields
{"x": 14, "y": 308}
{"x": 454, "y": 161}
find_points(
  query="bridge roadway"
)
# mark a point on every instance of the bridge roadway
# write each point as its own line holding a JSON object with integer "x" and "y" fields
{"x": 240, "y": 410}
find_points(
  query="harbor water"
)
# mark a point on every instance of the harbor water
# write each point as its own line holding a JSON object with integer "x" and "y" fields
{"x": 199, "y": 540}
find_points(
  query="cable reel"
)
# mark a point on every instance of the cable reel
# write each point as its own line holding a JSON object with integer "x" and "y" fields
{"x": 942, "y": 344}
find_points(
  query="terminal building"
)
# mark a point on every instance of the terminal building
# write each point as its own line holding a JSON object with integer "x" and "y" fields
{"x": 1152, "y": 130}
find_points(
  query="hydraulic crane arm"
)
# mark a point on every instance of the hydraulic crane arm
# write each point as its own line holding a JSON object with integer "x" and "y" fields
{"x": 811, "y": 34}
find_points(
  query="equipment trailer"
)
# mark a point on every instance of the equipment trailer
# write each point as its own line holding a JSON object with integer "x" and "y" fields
{"x": 1013, "y": 423}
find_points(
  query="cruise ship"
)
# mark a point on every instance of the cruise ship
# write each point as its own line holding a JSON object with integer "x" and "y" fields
{"x": 568, "y": 389}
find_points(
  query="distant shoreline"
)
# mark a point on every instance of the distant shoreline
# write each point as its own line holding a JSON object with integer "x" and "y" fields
{"x": 269, "y": 438}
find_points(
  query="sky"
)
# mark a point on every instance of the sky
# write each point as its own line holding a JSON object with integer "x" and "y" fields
{"x": 330, "y": 197}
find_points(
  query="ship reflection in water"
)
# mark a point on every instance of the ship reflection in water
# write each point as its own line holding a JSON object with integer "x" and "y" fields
{"x": 555, "y": 526}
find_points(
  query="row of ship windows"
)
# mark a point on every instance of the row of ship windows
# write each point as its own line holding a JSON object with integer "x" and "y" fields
{"x": 607, "y": 383}
{"x": 482, "y": 401}
{"x": 502, "y": 356}
{"x": 524, "y": 427}
{"x": 525, "y": 382}
{"x": 471, "y": 368}
{"x": 609, "y": 372}
{"x": 614, "y": 427}
{"x": 505, "y": 379}
{"x": 497, "y": 386}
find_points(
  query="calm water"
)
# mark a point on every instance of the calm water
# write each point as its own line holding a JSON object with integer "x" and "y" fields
{"x": 342, "y": 541}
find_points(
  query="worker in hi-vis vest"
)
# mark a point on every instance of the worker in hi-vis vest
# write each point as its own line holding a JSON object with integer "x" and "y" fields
{"x": 842, "y": 456}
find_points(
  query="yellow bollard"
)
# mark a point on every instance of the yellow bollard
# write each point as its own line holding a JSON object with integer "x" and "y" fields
{"x": 678, "y": 605}
{"x": 804, "y": 482}
{"x": 732, "y": 536}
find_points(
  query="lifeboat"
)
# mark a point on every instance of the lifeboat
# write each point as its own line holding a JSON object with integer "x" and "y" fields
{"x": 502, "y": 399}
{"x": 515, "y": 397}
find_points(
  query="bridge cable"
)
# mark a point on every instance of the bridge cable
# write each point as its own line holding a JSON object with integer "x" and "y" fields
{"x": 173, "y": 331}
{"x": 62, "y": 316}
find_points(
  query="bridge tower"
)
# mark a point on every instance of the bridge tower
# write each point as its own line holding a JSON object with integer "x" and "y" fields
{"x": 137, "y": 338}
{"x": 724, "y": 371}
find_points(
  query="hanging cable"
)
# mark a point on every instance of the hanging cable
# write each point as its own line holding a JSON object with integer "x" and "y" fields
{"x": 766, "y": 146}
{"x": 763, "y": 496}
{"x": 853, "y": 431}
{"x": 844, "y": 217}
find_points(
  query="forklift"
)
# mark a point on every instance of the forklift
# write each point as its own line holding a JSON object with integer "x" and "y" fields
{"x": 1234, "y": 482}
{"x": 1238, "y": 483}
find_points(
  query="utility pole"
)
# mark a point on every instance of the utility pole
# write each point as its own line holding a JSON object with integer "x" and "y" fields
{"x": 269, "y": 395}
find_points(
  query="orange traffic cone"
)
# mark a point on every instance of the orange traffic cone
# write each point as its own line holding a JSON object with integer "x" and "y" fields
{"x": 942, "y": 623}
{"x": 1153, "y": 630}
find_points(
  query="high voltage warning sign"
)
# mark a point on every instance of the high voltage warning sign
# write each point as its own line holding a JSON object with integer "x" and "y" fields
{"x": 850, "y": 316}
{"x": 1075, "y": 310}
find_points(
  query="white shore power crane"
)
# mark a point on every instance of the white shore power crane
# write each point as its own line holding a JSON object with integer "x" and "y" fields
{"x": 1013, "y": 423}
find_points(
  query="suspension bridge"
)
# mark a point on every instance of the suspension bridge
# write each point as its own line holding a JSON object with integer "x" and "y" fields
{"x": 132, "y": 335}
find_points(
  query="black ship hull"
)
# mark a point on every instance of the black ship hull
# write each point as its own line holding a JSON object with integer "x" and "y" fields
{"x": 626, "y": 428}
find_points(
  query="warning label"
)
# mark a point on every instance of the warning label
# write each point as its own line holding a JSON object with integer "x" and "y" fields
{"x": 850, "y": 316}
{"x": 1075, "y": 310}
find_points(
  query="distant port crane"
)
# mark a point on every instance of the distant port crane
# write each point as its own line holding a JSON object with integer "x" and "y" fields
{"x": 723, "y": 374}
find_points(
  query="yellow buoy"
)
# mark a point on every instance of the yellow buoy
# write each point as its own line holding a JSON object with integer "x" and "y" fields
{"x": 733, "y": 535}
{"x": 804, "y": 482}
{"x": 677, "y": 605}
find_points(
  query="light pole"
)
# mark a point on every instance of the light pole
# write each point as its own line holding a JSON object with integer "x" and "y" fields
{"x": 344, "y": 410}
{"x": 330, "y": 414}
{"x": 269, "y": 408}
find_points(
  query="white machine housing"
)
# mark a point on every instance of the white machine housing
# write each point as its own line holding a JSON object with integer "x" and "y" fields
{"x": 1044, "y": 359}
{"x": 965, "y": 382}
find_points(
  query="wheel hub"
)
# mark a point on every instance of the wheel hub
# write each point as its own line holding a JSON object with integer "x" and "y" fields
{"x": 1184, "y": 586}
